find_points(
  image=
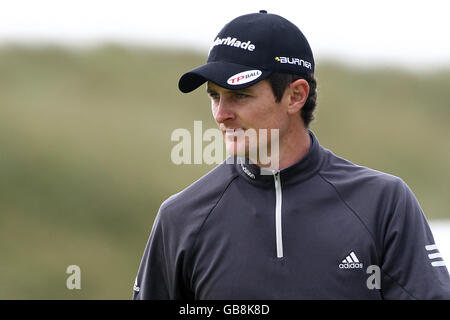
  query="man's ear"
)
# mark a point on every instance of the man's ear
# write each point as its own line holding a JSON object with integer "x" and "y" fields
{"x": 299, "y": 91}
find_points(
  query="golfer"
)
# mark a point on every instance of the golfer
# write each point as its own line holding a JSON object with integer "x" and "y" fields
{"x": 317, "y": 226}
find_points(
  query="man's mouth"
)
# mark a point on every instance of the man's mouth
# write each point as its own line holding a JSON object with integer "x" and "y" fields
{"x": 234, "y": 129}
{"x": 233, "y": 132}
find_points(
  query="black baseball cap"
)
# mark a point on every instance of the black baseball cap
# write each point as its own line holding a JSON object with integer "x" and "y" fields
{"x": 248, "y": 49}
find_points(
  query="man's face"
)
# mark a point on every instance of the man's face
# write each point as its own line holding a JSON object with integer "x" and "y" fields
{"x": 237, "y": 111}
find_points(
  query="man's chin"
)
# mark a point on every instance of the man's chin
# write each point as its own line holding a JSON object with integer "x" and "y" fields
{"x": 253, "y": 155}
{"x": 234, "y": 149}
{"x": 241, "y": 151}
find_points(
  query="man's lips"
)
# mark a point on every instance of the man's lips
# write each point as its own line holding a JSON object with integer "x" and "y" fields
{"x": 233, "y": 132}
{"x": 231, "y": 129}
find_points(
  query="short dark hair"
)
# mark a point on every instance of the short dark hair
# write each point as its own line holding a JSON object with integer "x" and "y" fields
{"x": 280, "y": 81}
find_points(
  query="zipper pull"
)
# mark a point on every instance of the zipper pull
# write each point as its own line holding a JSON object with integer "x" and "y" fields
{"x": 276, "y": 175}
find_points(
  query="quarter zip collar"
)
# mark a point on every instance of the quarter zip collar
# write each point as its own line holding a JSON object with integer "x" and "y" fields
{"x": 305, "y": 168}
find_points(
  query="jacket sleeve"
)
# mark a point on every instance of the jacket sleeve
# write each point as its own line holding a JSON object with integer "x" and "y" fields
{"x": 412, "y": 267}
{"x": 160, "y": 274}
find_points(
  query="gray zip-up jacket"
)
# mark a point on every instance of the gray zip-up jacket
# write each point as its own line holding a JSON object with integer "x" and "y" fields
{"x": 323, "y": 228}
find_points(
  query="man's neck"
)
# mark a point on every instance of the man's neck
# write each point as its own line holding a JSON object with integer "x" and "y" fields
{"x": 292, "y": 148}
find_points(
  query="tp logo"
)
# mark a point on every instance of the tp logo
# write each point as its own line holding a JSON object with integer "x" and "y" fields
{"x": 74, "y": 280}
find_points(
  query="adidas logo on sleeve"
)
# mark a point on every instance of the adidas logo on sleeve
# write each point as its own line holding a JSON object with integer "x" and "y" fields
{"x": 351, "y": 262}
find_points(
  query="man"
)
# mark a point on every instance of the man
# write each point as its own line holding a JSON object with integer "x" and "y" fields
{"x": 315, "y": 227}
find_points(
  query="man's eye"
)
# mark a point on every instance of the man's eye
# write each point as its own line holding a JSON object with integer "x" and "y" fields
{"x": 241, "y": 95}
{"x": 214, "y": 96}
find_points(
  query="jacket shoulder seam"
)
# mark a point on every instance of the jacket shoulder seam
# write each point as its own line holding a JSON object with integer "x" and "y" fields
{"x": 349, "y": 207}
{"x": 365, "y": 227}
{"x": 194, "y": 243}
{"x": 396, "y": 282}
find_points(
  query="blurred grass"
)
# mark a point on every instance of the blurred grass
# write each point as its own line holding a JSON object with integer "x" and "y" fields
{"x": 85, "y": 153}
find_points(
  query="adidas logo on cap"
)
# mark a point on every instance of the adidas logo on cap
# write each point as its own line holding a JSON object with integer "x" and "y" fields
{"x": 351, "y": 262}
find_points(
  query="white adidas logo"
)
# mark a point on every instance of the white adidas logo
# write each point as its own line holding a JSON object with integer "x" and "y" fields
{"x": 351, "y": 262}
{"x": 436, "y": 255}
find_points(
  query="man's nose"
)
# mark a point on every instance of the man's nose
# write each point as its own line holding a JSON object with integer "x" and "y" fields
{"x": 223, "y": 111}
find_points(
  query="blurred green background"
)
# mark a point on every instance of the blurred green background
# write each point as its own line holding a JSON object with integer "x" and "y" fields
{"x": 85, "y": 153}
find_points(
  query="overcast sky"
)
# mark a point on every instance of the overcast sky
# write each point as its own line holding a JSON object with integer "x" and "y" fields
{"x": 407, "y": 33}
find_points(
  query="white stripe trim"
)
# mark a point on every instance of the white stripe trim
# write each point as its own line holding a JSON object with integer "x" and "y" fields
{"x": 278, "y": 229}
{"x": 438, "y": 264}
{"x": 353, "y": 255}
{"x": 434, "y": 255}
{"x": 135, "y": 286}
{"x": 349, "y": 259}
{"x": 431, "y": 247}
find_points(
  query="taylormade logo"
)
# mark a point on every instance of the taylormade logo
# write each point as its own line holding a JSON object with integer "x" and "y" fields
{"x": 233, "y": 42}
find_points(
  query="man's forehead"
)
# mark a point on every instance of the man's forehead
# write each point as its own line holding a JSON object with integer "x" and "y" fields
{"x": 211, "y": 86}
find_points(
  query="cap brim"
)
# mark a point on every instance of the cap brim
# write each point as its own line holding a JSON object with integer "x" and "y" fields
{"x": 221, "y": 73}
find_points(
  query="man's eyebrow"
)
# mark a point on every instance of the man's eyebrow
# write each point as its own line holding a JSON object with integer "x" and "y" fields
{"x": 244, "y": 90}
